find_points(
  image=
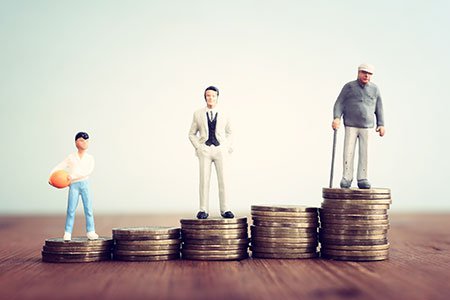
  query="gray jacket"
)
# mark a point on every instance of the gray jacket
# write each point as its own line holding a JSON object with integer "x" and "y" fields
{"x": 359, "y": 104}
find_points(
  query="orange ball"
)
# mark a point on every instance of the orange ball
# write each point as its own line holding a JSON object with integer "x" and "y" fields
{"x": 59, "y": 179}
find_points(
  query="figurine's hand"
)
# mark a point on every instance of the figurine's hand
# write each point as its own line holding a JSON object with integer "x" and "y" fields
{"x": 336, "y": 123}
{"x": 380, "y": 130}
{"x": 69, "y": 178}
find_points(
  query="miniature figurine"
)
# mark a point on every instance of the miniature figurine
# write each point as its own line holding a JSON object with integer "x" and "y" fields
{"x": 213, "y": 145}
{"x": 358, "y": 102}
{"x": 79, "y": 166}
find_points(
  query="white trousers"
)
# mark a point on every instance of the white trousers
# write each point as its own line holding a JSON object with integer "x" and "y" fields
{"x": 219, "y": 156}
{"x": 351, "y": 135}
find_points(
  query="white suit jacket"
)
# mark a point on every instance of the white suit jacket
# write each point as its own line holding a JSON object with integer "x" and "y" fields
{"x": 200, "y": 125}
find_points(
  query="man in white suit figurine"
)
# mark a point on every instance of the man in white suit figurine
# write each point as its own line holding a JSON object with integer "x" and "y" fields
{"x": 212, "y": 145}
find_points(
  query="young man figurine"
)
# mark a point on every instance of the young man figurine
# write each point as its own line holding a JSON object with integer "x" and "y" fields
{"x": 79, "y": 166}
{"x": 358, "y": 102}
{"x": 212, "y": 145}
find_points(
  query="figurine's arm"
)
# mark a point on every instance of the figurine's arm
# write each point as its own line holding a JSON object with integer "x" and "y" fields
{"x": 338, "y": 109}
{"x": 64, "y": 165}
{"x": 193, "y": 133}
{"x": 229, "y": 135}
{"x": 380, "y": 115}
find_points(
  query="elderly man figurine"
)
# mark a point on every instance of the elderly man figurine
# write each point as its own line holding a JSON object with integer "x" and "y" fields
{"x": 359, "y": 102}
{"x": 212, "y": 145}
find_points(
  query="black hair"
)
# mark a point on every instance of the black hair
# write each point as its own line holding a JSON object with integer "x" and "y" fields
{"x": 83, "y": 135}
{"x": 211, "y": 88}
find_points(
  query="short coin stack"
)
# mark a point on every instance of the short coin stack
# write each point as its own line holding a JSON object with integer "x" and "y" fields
{"x": 214, "y": 239}
{"x": 354, "y": 224}
{"x": 77, "y": 250}
{"x": 284, "y": 231}
{"x": 150, "y": 243}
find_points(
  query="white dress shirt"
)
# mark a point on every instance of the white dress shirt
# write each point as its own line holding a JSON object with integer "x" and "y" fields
{"x": 78, "y": 168}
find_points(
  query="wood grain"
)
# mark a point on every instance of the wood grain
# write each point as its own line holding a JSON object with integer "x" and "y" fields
{"x": 418, "y": 268}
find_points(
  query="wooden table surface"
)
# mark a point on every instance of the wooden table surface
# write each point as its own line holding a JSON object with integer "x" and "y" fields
{"x": 418, "y": 267}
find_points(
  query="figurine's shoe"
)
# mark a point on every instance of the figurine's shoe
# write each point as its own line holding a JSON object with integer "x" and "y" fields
{"x": 228, "y": 215}
{"x": 363, "y": 184}
{"x": 67, "y": 236}
{"x": 91, "y": 235}
{"x": 202, "y": 215}
{"x": 346, "y": 184}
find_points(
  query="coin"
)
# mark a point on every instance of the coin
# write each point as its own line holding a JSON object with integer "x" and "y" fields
{"x": 355, "y": 196}
{"x": 147, "y": 258}
{"x": 305, "y": 226}
{"x": 218, "y": 241}
{"x": 284, "y": 208}
{"x": 324, "y": 216}
{"x": 147, "y": 247}
{"x": 354, "y": 222}
{"x": 356, "y": 258}
{"x": 354, "y": 227}
{"x": 220, "y": 226}
{"x": 296, "y": 245}
{"x": 286, "y": 240}
{"x": 79, "y": 242}
{"x": 353, "y": 211}
{"x": 146, "y": 230}
{"x": 258, "y": 234}
{"x": 362, "y": 248}
{"x": 77, "y": 249}
{"x": 214, "y": 236}
{"x": 213, "y": 221}
{"x": 283, "y": 250}
{"x": 213, "y": 251}
{"x": 356, "y": 191}
{"x": 352, "y": 253}
{"x": 146, "y": 252}
{"x": 218, "y": 232}
{"x": 215, "y": 257}
{"x": 326, "y": 242}
{"x": 351, "y": 232}
{"x": 336, "y": 204}
{"x": 212, "y": 247}
{"x": 176, "y": 241}
{"x": 146, "y": 237}
{"x": 358, "y": 201}
{"x": 327, "y": 236}
{"x": 276, "y": 229}
{"x": 78, "y": 253}
{"x": 283, "y": 214}
{"x": 284, "y": 255}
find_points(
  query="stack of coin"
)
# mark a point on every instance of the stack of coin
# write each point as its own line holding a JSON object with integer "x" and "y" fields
{"x": 151, "y": 243}
{"x": 214, "y": 239}
{"x": 77, "y": 250}
{"x": 354, "y": 224}
{"x": 284, "y": 231}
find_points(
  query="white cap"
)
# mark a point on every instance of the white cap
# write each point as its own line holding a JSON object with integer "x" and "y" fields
{"x": 366, "y": 67}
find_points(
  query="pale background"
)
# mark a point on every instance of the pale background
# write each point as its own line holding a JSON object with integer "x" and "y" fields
{"x": 131, "y": 73}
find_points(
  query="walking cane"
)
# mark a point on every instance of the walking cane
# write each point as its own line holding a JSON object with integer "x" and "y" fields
{"x": 332, "y": 158}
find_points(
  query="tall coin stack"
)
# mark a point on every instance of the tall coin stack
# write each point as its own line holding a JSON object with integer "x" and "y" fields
{"x": 354, "y": 224}
{"x": 214, "y": 239}
{"x": 77, "y": 250}
{"x": 284, "y": 231}
{"x": 150, "y": 243}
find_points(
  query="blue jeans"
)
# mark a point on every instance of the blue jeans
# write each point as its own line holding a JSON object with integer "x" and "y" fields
{"x": 76, "y": 189}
